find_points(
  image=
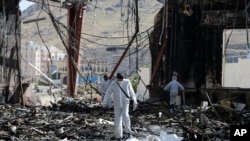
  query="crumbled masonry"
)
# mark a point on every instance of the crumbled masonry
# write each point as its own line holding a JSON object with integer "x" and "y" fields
{"x": 86, "y": 120}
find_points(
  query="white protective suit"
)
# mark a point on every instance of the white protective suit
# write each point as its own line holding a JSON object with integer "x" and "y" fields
{"x": 103, "y": 88}
{"x": 173, "y": 87}
{"x": 121, "y": 105}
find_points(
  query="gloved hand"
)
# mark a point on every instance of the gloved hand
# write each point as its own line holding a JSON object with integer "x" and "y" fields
{"x": 135, "y": 104}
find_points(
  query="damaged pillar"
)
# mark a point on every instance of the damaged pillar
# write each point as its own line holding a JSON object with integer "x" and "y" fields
{"x": 75, "y": 18}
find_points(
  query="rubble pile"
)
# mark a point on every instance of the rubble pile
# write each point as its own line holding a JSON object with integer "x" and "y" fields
{"x": 86, "y": 120}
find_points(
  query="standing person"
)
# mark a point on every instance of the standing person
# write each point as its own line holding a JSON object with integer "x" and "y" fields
{"x": 173, "y": 87}
{"x": 103, "y": 88}
{"x": 122, "y": 92}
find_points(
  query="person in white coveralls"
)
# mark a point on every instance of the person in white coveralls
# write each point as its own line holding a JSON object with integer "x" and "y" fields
{"x": 173, "y": 87}
{"x": 103, "y": 88}
{"x": 122, "y": 91}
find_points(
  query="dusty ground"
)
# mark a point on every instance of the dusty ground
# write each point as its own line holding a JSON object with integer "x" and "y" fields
{"x": 42, "y": 97}
{"x": 83, "y": 119}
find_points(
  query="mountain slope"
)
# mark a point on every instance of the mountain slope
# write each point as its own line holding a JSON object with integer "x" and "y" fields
{"x": 104, "y": 18}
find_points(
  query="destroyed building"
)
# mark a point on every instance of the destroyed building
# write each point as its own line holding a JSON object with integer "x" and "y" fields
{"x": 191, "y": 39}
{"x": 10, "y": 31}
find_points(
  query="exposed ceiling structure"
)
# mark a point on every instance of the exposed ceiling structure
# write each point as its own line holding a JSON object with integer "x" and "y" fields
{"x": 194, "y": 38}
{"x": 188, "y": 39}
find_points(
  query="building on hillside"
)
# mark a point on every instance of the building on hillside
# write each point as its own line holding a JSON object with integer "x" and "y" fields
{"x": 57, "y": 54}
{"x": 131, "y": 62}
{"x": 93, "y": 65}
{"x": 29, "y": 54}
{"x": 51, "y": 61}
{"x": 56, "y": 68}
{"x": 92, "y": 71}
{"x": 38, "y": 56}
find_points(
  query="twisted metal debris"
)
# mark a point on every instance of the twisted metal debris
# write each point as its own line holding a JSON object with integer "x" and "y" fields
{"x": 86, "y": 120}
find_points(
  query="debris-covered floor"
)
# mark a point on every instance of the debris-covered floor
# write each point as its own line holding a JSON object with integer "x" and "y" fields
{"x": 86, "y": 120}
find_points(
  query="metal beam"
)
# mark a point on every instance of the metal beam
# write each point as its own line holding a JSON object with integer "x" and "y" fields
{"x": 75, "y": 19}
{"x": 163, "y": 45}
{"x": 46, "y": 77}
{"x": 34, "y": 20}
{"x": 130, "y": 43}
{"x": 76, "y": 10}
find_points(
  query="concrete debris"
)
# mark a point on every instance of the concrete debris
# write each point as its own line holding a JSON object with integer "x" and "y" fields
{"x": 84, "y": 119}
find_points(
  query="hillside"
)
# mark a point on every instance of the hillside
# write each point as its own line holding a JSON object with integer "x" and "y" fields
{"x": 105, "y": 19}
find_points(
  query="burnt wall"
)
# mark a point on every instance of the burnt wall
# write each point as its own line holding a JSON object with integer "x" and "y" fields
{"x": 194, "y": 42}
{"x": 9, "y": 50}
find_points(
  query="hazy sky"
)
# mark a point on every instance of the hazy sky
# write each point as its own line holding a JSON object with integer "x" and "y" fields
{"x": 24, "y": 4}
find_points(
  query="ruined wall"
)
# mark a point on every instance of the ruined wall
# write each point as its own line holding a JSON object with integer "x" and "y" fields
{"x": 194, "y": 43}
{"x": 9, "y": 50}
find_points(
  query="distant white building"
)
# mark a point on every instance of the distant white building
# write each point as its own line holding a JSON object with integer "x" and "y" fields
{"x": 38, "y": 56}
{"x": 57, "y": 54}
{"x": 30, "y": 55}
